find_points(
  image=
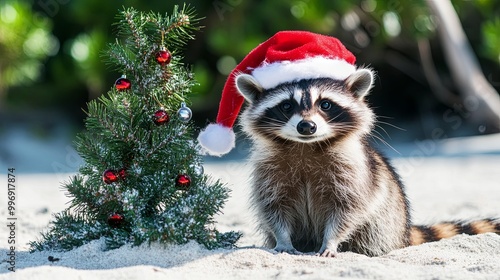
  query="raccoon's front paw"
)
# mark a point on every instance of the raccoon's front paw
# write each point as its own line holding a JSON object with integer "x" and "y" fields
{"x": 286, "y": 249}
{"x": 327, "y": 253}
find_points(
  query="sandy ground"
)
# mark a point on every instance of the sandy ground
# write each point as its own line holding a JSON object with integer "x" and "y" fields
{"x": 455, "y": 179}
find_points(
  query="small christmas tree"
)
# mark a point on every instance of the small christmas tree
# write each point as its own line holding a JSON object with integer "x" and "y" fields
{"x": 143, "y": 179}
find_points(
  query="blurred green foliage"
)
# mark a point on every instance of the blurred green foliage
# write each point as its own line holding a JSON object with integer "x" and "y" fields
{"x": 55, "y": 45}
{"x": 25, "y": 42}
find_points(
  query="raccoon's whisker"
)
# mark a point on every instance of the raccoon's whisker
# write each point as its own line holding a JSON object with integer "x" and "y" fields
{"x": 391, "y": 125}
{"x": 377, "y": 124}
{"x": 286, "y": 117}
{"x": 385, "y": 143}
{"x": 331, "y": 120}
{"x": 268, "y": 125}
{"x": 380, "y": 134}
{"x": 275, "y": 122}
{"x": 346, "y": 125}
{"x": 334, "y": 118}
{"x": 271, "y": 120}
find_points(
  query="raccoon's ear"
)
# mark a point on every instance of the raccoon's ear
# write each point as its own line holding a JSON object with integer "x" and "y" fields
{"x": 359, "y": 83}
{"x": 248, "y": 87}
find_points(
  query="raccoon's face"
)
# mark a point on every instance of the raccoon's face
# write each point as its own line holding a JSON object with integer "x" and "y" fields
{"x": 307, "y": 111}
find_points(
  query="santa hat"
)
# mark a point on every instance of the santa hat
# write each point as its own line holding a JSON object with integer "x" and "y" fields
{"x": 287, "y": 56}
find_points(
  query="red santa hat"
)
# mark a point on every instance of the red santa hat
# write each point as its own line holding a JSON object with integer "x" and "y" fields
{"x": 287, "y": 56}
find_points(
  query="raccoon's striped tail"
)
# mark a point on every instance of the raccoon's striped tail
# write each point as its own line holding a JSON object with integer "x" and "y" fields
{"x": 423, "y": 234}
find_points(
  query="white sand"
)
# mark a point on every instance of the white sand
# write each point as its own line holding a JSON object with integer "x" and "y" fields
{"x": 440, "y": 188}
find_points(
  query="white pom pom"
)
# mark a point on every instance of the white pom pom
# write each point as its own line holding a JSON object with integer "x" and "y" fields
{"x": 217, "y": 140}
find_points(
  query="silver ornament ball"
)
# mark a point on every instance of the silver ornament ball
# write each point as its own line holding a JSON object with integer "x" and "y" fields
{"x": 199, "y": 170}
{"x": 184, "y": 113}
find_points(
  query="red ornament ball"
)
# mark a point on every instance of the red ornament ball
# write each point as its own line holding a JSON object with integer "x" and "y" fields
{"x": 183, "y": 181}
{"x": 163, "y": 57}
{"x": 115, "y": 220}
{"x": 161, "y": 117}
{"x": 109, "y": 176}
{"x": 122, "y": 84}
{"x": 122, "y": 173}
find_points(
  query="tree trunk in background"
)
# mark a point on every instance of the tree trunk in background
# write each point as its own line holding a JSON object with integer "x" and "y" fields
{"x": 479, "y": 97}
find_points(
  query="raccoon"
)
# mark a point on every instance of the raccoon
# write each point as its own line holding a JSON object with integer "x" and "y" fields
{"x": 318, "y": 185}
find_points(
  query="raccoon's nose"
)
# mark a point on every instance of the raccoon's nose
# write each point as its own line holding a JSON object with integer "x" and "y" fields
{"x": 306, "y": 127}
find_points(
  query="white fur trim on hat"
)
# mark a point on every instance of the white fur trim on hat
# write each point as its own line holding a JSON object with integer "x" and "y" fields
{"x": 216, "y": 139}
{"x": 272, "y": 74}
